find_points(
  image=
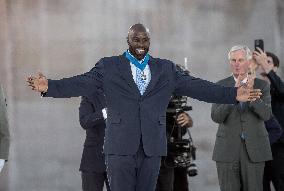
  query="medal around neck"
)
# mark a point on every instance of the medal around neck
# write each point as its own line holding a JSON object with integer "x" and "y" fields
{"x": 134, "y": 61}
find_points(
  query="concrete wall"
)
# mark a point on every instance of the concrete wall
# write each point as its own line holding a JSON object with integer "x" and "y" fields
{"x": 67, "y": 37}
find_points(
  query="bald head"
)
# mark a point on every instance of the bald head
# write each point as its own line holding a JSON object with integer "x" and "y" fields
{"x": 138, "y": 28}
{"x": 138, "y": 40}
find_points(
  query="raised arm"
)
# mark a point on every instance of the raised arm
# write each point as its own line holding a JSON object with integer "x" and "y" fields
{"x": 262, "y": 60}
{"x": 276, "y": 82}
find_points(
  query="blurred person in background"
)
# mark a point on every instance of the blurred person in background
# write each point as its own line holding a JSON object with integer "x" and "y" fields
{"x": 4, "y": 130}
{"x": 242, "y": 143}
{"x": 174, "y": 178}
{"x": 268, "y": 64}
{"x": 92, "y": 113}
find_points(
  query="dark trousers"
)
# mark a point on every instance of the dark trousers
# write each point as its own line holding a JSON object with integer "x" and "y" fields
{"x": 133, "y": 172}
{"x": 94, "y": 181}
{"x": 180, "y": 180}
{"x": 166, "y": 179}
{"x": 274, "y": 170}
{"x": 172, "y": 179}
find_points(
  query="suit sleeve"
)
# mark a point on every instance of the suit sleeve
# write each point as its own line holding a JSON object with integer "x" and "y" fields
{"x": 89, "y": 116}
{"x": 262, "y": 106}
{"x": 81, "y": 85}
{"x": 204, "y": 90}
{"x": 274, "y": 129}
{"x": 4, "y": 128}
{"x": 276, "y": 82}
{"x": 220, "y": 112}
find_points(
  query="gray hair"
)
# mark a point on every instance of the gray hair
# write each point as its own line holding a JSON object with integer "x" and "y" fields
{"x": 241, "y": 47}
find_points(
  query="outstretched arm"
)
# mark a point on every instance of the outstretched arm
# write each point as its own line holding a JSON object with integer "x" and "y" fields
{"x": 213, "y": 93}
{"x": 81, "y": 85}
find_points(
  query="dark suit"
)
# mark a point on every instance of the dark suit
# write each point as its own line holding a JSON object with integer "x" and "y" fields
{"x": 136, "y": 124}
{"x": 242, "y": 142}
{"x": 274, "y": 129}
{"x": 93, "y": 161}
{"x": 275, "y": 169}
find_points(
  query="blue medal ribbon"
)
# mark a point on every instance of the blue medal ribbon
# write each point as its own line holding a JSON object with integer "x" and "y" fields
{"x": 134, "y": 60}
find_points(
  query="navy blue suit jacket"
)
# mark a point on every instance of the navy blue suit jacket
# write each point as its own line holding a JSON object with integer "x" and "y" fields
{"x": 274, "y": 129}
{"x": 91, "y": 119}
{"x": 133, "y": 118}
{"x": 277, "y": 99}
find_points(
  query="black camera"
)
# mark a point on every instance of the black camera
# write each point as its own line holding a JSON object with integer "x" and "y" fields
{"x": 181, "y": 152}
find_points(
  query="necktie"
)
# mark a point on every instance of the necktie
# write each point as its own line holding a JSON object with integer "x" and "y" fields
{"x": 141, "y": 81}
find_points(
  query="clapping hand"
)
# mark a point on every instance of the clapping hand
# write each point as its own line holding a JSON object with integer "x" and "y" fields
{"x": 245, "y": 91}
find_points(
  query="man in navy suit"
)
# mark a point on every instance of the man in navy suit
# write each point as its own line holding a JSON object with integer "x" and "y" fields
{"x": 137, "y": 88}
{"x": 93, "y": 169}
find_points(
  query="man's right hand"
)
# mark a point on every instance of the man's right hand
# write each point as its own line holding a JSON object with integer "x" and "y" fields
{"x": 245, "y": 94}
{"x": 245, "y": 91}
{"x": 261, "y": 59}
{"x": 38, "y": 83}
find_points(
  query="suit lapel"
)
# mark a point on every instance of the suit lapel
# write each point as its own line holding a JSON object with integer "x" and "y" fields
{"x": 126, "y": 73}
{"x": 155, "y": 75}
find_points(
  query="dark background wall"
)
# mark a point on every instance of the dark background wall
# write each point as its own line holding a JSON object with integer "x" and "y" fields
{"x": 67, "y": 37}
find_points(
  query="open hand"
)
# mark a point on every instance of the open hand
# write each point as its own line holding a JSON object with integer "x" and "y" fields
{"x": 38, "y": 83}
{"x": 244, "y": 94}
{"x": 261, "y": 59}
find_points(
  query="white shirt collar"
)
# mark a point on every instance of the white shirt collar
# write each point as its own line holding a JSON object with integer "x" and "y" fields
{"x": 243, "y": 81}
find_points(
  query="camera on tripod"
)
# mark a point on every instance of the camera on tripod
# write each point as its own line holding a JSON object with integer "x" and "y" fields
{"x": 181, "y": 151}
